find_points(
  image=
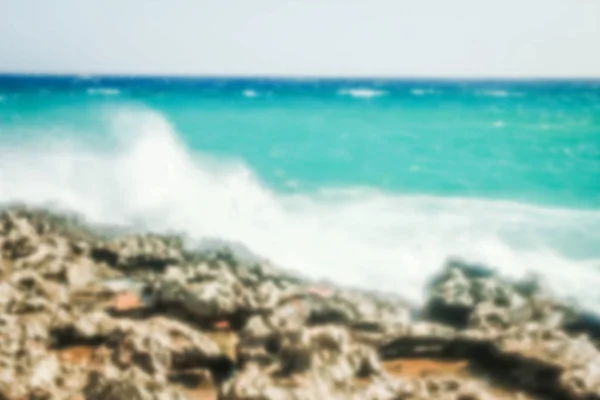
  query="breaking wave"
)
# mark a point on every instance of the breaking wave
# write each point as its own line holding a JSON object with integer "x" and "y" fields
{"x": 250, "y": 93}
{"x": 422, "y": 92}
{"x": 147, "y": 178}
{"x": 362, "y": 93}
{"x": 104, "y": 91}
{"x": 498, "y": 93}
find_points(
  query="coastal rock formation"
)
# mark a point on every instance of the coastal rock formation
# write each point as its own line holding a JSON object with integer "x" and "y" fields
{"x": 91, "y": 316}
{"x": 307, "y": 363}
{"x": 473, "y": 296}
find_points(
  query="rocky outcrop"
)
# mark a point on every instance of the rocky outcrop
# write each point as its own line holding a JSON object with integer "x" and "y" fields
{"x": 473, "y": 296}
{"x": 52, "y": 300}
{"x": 307, "y": 363}
{"x": 143, "y": 254}
{"x": 90, "y": 316}
{"x": 113, "y": 384}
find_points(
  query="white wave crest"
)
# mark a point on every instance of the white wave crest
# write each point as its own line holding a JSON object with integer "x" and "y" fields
{"x": 104, "y": 91}
{"x": 366, "y": 238}
{"x": 362, "y": 93}
{"x": 498, "y": 93}
{"x": 422, "y": 92}
{"x": 250, "y": 93}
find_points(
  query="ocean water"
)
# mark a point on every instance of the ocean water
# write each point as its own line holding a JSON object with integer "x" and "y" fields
{"x": 373, "y": 183}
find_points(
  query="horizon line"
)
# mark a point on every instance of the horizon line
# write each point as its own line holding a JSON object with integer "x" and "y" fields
{"x": 299, "y": 77}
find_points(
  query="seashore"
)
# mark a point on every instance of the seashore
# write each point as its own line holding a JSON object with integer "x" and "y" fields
{"x": 85, "y": 315}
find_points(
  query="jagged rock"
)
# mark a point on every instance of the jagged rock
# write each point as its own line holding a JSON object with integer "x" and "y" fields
{"x": 205, "y": 300}
{"x": 258, "y": 341}
{"x": 253, "y": 383}
{"x": 27, "y": 369}
{"x": 318, "y": 362}
{"x": 18, "y": 237}
{"x": 297, "y": 340}
{"x": 584, "y": 322}
{"x": 8, "y": 295}
{"x": 28, "y": 293}
{"x": 365, "y": 361}
{"x": 383, "y": 388}
{"x": 543, "y": 359}
{"x": 266, "y": 296}
{"x": 582, "y": 382}
{"x": 38, "y": 244}
{"x": 44, "y": 373}
{"x": 93, "y": 325}
{"x": 457, "y": 291}
{"x": 92, "y": 297}
{"x": 161, "y": 343}
{"x": 360, "y": 312}
{"x": 443, "y": 387}
{"x": 422, "y": 339}
{"x": 147, "y": 252}
{"x": 9, "y": 334}
{"x": 216, "y": 299}
{"x": 132, "y": 384}
{"x": 489, "y": 317}
{"x": 466, "y": 295}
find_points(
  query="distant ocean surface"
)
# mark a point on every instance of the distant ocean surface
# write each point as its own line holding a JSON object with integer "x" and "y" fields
{"x": 365, "y": 182}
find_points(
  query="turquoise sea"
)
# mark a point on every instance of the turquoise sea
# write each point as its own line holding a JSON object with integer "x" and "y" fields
{"x": 365, "y": 182}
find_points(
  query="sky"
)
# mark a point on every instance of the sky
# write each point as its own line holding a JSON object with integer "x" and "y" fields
{"x": 438, "y": 38}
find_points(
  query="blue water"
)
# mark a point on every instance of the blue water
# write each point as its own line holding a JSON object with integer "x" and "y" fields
{"x": 367, "y": 182}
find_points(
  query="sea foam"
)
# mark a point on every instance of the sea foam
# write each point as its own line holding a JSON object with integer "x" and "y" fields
{"x": 149, "y": 179}
{"x": 104, "y": 91}
{"x": 422, "y": 92}
{"x": 362, "y": 93}
{"x": 498, "y": 93}
{"x": 250, "y": 93}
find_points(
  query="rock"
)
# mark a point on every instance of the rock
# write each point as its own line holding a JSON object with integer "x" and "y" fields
{"x": 186, "y": 346}
{"x": 267, "y": 296}
{"x": 132, "y": 384}
{"x": 44, "y": 373}
{"x": 150, "y": 351}
{"x": 355, "y": 310}
{"x": 383, "y": 388}
{"x": 471, "y": 296}
{"x": 582, "y": 322}
{"x": 206, "y": 300}
{"x": 258, "y": 342}
{"x": 547, "y": 360}
{"x": 27, "y": 370}
{"x": 451, "y": 301}
{"x": 582, "y": 382}
{"x": 19, "y": 237}
{"x": 93, "y": 325}
{"x": 318, "y": 362}
{"x": 250, "y": 383}
{"x": 488, "y": 317}
{"x": 8, "y": 295}
{"x": 83, "y": 272}
{"x": 140, "y": 252}
{"x": 420, "y": 339}
{"x": 297, "y": 339}
{"x": 365, "y": 361}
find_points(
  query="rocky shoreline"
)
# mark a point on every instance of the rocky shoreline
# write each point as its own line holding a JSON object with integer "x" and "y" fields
{"x": 86, "y": 316}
